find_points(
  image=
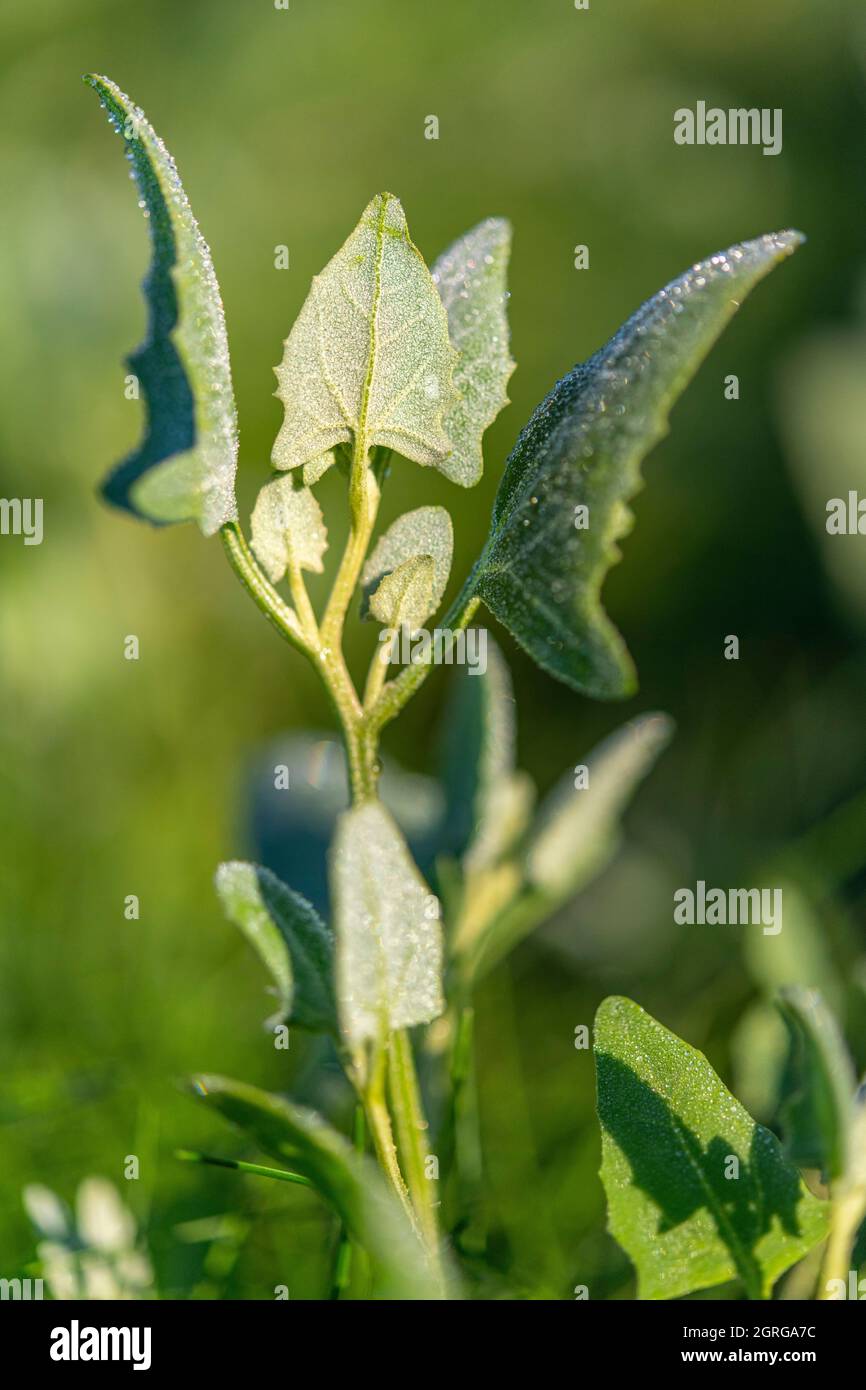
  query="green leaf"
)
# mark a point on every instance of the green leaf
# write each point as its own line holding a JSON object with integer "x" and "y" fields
{"x": 574, "y": 836}
{"x": 289, "y": 936}
{"x": 540, "y": 573}
{"x": 404, "y": 597}
{"x": 576, "y": 831}
{"x": 389, "y": 937}
{"x": 184, "y": 467}
{"x": 369, "y": 359}
{"x": 471, "y": 279}
{"x": 487, "y": 799}
{"x": 818, "y": 1113}
{"x": 350, "y": 1182}
{"x": 424, "y": 533}
{"x": 287, "y": 528}
{"x": 670, "y": 1131}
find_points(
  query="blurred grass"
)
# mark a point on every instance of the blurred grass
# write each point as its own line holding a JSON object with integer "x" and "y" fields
{"x": 119, "y": 777}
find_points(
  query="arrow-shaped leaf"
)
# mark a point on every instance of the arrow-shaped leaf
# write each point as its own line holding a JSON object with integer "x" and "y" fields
{"x": 184, "y": 467}
{"x": 368, "y": 359}
{"x": 562, "y": 505}
{"x": 698, "y": 1194}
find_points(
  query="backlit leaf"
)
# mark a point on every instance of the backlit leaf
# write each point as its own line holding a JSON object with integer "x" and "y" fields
{"x": 427, "y": 531}
{"x": 388, "y": 933}
{"x": 368, "y": 359}
{"x": 542, "y": 569}
{"x": 471, "y": 278}
{"x": 184, "y": 467}
{"x": 698, "y": 1194}
{"x": 287, "y": 527}
{"x": 404, "y": 597}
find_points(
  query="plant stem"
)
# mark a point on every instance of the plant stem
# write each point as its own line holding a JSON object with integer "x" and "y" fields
{"x": 259, "y": 587}
{"x": 364, "y": 504}
{"x": 849, "y": 1210}
{"x": 398, "y": 692}
{"x": 302, "y": 632}
{"x": 343, "y": 1254}
{"x": 412, "y": 1128}
{"x": 379, "y": 1120}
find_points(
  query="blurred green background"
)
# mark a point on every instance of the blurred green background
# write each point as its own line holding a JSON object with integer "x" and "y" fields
{"x": 122, "y": 777}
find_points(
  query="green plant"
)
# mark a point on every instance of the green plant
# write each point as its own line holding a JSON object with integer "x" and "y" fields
{"x": 698, "y": 1193}
{"x": 385, "y": 360}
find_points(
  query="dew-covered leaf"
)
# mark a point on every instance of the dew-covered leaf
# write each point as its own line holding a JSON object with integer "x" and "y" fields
{"x": 287, "y": 527}
{"x": 487, "y": 798}
{"x": 425, "y": 532}
{"x": 545, "y": 560}
{"x": 350, "y": 1182}
{"x": 388, "y": 933}
{"x": 289, "y": 936}
{"x": 698, "y": 1194}
{"x": 817, "y": 1113}
{"x": 576, "y": 831}
{"x": 471, "y": 279}
{"x": 184, "y": 467}
{"x": 404, "y": 596}
{"x": 368, "y": 359}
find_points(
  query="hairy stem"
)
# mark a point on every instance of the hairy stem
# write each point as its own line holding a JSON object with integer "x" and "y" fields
{"x": 412, "y": 1130}
{"x": 398, "y": 692}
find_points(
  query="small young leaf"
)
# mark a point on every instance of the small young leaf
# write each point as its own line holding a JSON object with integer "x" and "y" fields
{"x": 698, "y": 1194}
{"x": 369, "y": 359}
{"x": 289, "y": 936}
{"x": 576, "y": 831}
{"x": 818, "y": 1112}
{"x": 427, "y": 531}
{"x": 389, "y": 938}
{"x": 184, "y": 467}
{"x": 404, "y": 597}
{"x": 308, "y": 1145}
{"x": 470, "y": 277}
{"x": 488, "y": 800}
{"x": 545, "y": 560}
{"x": 287, "y": 525}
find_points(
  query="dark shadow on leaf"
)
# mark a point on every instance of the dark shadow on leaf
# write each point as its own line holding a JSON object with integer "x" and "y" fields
{"x": 681, "y": 1176}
